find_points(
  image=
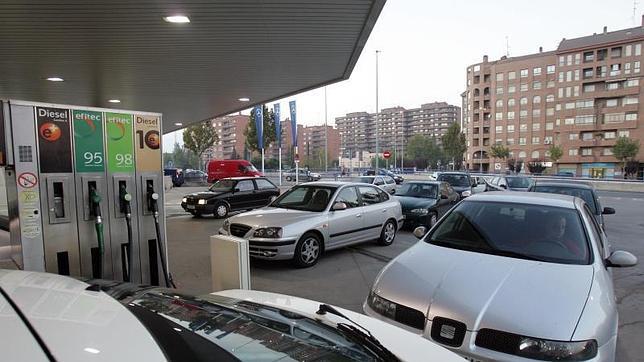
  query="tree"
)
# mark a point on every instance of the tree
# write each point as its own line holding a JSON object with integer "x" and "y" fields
{"x": 181, "y": 157}
{"x": 518, "y": 166}
{"x": 512, "y": 164}
{"x": 235, "y": 155}
{"x": 423, "y": 151}
{"x": 499, "y": 151}
{"x": 454, "y": 145}
{"x": 536, "y": 167}
{"x": 269, "y": 130}
{"x": 625, "y": 149}
{"x": 555, "y": 154}
{"x": 631, "y": 168}
{"x": 199, "y": 137}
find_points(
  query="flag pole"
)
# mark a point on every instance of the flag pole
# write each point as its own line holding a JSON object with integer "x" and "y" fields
{"x": 279, "y": 163}
{"x": 263, "y": 160}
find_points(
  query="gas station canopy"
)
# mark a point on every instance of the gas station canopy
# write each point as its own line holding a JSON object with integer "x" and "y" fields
{"x": 125, "y": 50}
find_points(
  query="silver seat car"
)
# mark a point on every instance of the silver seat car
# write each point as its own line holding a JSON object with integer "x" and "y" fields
{"x": 318, "y": 216}
{"x": 506, "y": 277}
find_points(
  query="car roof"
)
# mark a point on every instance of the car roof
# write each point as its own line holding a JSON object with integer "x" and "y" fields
{"x": 239, "y": 178}
{"x": 454, "y": 173}
{"x": 334, "y": 183}
{"x": 569, "y": 184}
{"x": 532, "y": 198}
{"x": 432, "y": 182}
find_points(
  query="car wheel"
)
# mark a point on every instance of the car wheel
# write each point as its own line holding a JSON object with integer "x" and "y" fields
{"x": 433, "y": 218}
{"x": 388, "y": 233}
{"x": 307, "y": 251}
{"x": 196, "y": 214}
{"x": 221, "y": 210}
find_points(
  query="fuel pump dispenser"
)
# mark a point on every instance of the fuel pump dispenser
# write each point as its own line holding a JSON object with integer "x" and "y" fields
{"x": 126, "y": 209}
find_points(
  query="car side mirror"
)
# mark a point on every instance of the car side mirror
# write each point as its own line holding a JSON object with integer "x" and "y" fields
{"x": 443, "y": 196}
{"x": 503, "y": 186}
{"x": 473, "y": 183}
{"x": 420, "y": 231}
{"x": 608, "y": 211}
{"x": 339, "y": 206}
{"x": 620, "y": 259}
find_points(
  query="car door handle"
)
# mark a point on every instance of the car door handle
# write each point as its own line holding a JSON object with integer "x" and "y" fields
{"x": 384, "y": 210}
{"x": 359, "y": 215}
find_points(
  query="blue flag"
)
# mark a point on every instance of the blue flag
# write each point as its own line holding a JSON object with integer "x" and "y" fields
{"x": 259, "y": 124}
{"x": 291, "y": 106}
{"x": 278, "y": 124}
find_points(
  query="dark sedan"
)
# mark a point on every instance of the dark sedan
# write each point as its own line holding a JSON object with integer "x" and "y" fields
{"x": 513, "y": 183}
{"x": 462, "y": 182}
{"x": 424, "y": 202}
{"x": 578, "y": 189}
{"x": 231, "y": 194}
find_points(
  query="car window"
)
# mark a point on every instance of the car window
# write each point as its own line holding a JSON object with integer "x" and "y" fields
{"x": 544, "y": 233}
{"x": 383, "y": 195}
{"x": 389, "y": 180}
{"x": 378, "y": 181}
{"x": 264, "y": 184}
{"x": 418, "y": 189}
{"x": 245, "y": 185}
{"x": 494, "y": 180}
{"x": 455, "y": 179}
{"x": 369, "y": 195}
{"x": 595, "y": 229}
{"x": 519, "y": 182}
{"x": 584, "y": 194}
{"x": 305, "y": 197}
{"x": 349, "y": 196}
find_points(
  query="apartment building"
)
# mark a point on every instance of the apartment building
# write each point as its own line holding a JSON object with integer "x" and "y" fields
{"x": 396, "y": 125}
{"x": 230, "y": 130}
{"x": 581, "y": 96}
{"x": 310, "y": 141}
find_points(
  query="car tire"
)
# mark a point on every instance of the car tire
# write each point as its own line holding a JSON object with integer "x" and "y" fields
{"x": 388, "y": 233}
{"x": 431, "y": 220}
{"x": 307, "y": 250}
{"x": 196, "y": 214}
{"x": 221, "y": 210}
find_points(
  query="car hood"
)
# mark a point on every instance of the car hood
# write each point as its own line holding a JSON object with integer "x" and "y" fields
{"x": 206, "y": 194}
{"x": 519, "y": 188}
{"x": 460, "y": 189}
{"x": 272, "y": 216}
{"x": 409, "y": 202}
{"x": 405, "y": 345}
{"x": 488, "y": 291}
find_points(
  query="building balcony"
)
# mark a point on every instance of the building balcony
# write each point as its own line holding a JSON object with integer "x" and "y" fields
{"x": 621, "y": 92}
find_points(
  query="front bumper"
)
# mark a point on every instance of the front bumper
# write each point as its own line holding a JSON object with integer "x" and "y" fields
{"x": 269, "y": 249}
{"x": 415, "y": 220}
{"x": 202, "y": 209}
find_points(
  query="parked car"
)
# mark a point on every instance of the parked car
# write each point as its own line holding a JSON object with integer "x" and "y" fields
{"x": 579, "y": 189}
{"x": 304, "y": 175}
{"x": 195, "y": 176}
{"x": 115, "y": 321}
{"x": 176, "y": 174}
{"x": 384, "y": 172}
{"x": 462, "y": 182}
{"x": 219, "y": 169}
{"x": 384, "y": 182}
{"x": 424, "y": 202}
{"x": 508, "y": 275}
{"x": 231, "y": 194}
{"x": 512, "y": 183}
{"x": 315, "y": 217}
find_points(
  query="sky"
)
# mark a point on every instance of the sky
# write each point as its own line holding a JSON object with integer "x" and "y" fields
{"x": 426, "y": 46}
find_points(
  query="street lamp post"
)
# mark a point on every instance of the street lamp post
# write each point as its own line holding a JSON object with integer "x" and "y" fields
{"x": 326, "y": 137}
{"x": 377, "y": 123}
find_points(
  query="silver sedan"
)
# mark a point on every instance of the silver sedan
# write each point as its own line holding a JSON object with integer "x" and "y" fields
{"x": 315, "y": 217}
{"x": 507, "y": 277}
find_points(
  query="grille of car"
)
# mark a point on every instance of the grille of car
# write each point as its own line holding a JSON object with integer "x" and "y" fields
{"x": 498, "y": 341}
{"x": 410, "y": 317}
{"x": 239, "y": 230}
{"x": 448, "y": 331}
{"x": 191, "y": 201}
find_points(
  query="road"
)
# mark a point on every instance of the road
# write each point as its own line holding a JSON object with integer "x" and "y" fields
{"x": 343, "y": 277}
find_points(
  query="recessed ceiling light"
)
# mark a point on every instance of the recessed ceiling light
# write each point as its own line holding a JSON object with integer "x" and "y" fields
{"x": 114, "y": 101}
{"x": 178, "y": 124}
{"x": 55, "y": 79}
{"x": 177, "y": 19}
{"x": 244, "y": 99}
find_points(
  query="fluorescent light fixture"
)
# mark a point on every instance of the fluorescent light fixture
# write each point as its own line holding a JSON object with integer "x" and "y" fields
{"x": 91, "y": 350}
{"x": 55, "y": 79}
{"x": 177, "y": 19}
{"x": 178, "y": 124}
{"x": 244, "y": 99}
{"x": 114, "y": 101}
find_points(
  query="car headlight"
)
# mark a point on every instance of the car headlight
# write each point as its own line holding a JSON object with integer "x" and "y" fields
{"x": 466, "y": 193}
{"x": 203, "y": 202}
{"x": 420, "y": 211}
{"x": 547, "y": 350}
{"x": 381, "y": 305}
{"x": 184, "y": 200}
{"x": 268, "y": 233}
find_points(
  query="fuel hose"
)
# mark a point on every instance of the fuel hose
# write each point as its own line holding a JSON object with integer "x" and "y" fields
{"x": 127, "y": 210}
{"x": 95, "y": 201}
{"x": 155, "y": 210}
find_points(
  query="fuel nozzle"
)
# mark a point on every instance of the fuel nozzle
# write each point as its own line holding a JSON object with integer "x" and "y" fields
{"x": 95, "y": 205}
{"x": 125, "y": 199}
{"x": 153, "y": 198}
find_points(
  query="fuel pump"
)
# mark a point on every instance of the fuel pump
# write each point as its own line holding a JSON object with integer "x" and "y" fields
{"x": 152, "y": 198}
{"x": 95, "y": 206}
{"x": 126, "y": 209}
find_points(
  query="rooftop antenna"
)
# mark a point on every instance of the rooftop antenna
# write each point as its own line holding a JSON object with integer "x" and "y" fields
{"x": 635, "y": 12}
{"x": 507, "y": 47}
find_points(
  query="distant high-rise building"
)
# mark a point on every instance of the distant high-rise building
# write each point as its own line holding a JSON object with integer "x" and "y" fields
{"x": 581, "y": 97}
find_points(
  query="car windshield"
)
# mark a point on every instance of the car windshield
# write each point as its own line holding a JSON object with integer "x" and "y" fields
{"x": 250, "y": 168}
{"x": 526, "y": 231}
{"x": 305, "y": 197}
{"x": 364, "y": 180}
{"x": 423, "y": 190}
{"x": 585, "y": 194}
{"x": 223, "y": 185}
{"x": 519, "y": 182}
{"x": 455, "y": 180}
{"x": 214, "y": 327}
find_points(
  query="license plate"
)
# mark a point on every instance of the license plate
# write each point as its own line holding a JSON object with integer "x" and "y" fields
{"x": 190, "y": 207}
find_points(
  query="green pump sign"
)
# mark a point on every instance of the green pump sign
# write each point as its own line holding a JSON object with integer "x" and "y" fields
{"x": 120, "y": 144}
{"x": 88, "y": 138}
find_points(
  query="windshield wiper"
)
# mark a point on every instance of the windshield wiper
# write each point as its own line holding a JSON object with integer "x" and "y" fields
{"x": 356, "y": 333}
{"x": 515, "y": 255}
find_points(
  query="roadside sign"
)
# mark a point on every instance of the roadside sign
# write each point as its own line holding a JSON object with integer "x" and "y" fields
{"x": 297, "y": 158}
{"x": 386, "y": 154}
{"x": 497, "y": 166}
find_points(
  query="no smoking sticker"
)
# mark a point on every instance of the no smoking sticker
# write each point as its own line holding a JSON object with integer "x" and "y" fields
{"x": 27, "y": 180}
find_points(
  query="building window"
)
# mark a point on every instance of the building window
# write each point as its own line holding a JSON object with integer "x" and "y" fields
{"x": 535, "y": 140}
{"x": 568, "y": 92}
{"x": 510, "y": 141}
{"x": 562, "y": 76}
{"x": 588, "y": 73}
{"x": 536, "y": 71}
{"x": 524, "y": 73}
{"x": 611, "y": 102}
{"x": 522, "y": 153}
{"x": 498, "y": 116}
{"x": 477, "y": 67}
{"x": 577, "y": 74}
{"x": 522, "y": 141}
{"x": 572, "y": 152}
{"x": 547, "y": 140}
{"x": 587, "y": 136}
{"x": 589, "y": 88}
{"x": 601, "y": 71}
{"x": 536, "y": 85}
{"x": 627, "y": 68}
{"x": 550, "y": 111}
{"x": 608, "y": 151}
{"x": 586, "y": 151}
{"x": 614, "y": 117}
{"x": 550, "y": 69}
{"x": 510, "y": 116}
{"x": 575, "y": 91}
{"x": 536, "y": 99}
{"x": 569, "y": 121}
{"x": 589, "y": 56}
{"x": 499, "y": 103}
{"x": 512, "y": 75}
{"x": 560, "y": 92}
{"x": 550, "y": 98}
{"x": 535, "y": 154}
{"x": 570, "y": 105}
{"x": 499, "y": 77}
{"x": 577, "y": 58}
{"x": 630, "y": 100}
{"x": 523, "y": 101}
{"x": 499, "y": 129}
{"x": 549, "y": 126}
{"x": 627, "y": 50}
{"x": 511, "y": 102}
{"x": 609, "y": 135}
{"x": 569, "y": 59}
{"x": 562, "y": 61}
{"x": 550, "y": 84}
{"x": 589, "y": 119}
{"x": 602, "y": 54}
{"x": 510, "y": 128}
{"x": 512, "y": 89}
{"x": 573, "y": 136}
{"x": 616, "y": 52}
{"x": 569, "y": 76}
{"x": 624, "y": 133}
{"x": 523, "y": 114}
{"x": 499, "y": 90}
{"x": 612, "y": 86}
{"x": 585, "y": 103}
{"x": 558, "y": 106}
{"x": 636, "y": 67}
{"x": 536, "y": 126}
{"x": 523, "y": 128}
{"x": 524, "y": 87}
{"x": 632, "y": 82}
{"x": 631, "y": 116}
{"x": 615, "y": 69}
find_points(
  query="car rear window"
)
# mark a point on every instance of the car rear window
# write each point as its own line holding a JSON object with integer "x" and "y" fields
{"x": 263, "y": 184}
{"x": 584, "y": 194}
{"x": 526, "y": 231}
{"x": 454, "y": 179}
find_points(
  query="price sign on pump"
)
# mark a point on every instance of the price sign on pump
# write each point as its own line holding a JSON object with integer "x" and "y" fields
{"x": 88, "y": 138}
{"x": 120, "y": 147}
